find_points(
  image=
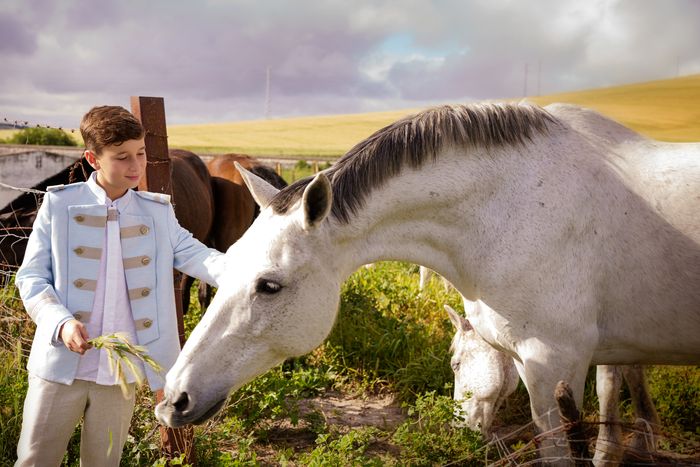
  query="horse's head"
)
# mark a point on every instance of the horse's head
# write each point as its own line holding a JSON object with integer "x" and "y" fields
{"x": 483, "y": 375}
{"x": 278, "y": 299}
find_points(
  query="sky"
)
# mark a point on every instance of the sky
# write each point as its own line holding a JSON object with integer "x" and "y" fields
{"x": 210, "y": 59}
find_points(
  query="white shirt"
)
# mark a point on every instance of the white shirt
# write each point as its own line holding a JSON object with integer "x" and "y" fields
{"x": 111, "y": 310}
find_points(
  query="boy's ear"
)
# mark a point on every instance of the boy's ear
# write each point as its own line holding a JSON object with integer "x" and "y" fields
{"x": 92, "y": 160}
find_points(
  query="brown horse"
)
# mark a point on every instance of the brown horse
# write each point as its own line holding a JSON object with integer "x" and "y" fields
{"x": 236, "y": 208}
{"x": 193, "y": 201}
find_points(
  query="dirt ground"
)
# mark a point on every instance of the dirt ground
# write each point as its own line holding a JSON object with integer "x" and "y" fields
{"x": 346, "y": 412}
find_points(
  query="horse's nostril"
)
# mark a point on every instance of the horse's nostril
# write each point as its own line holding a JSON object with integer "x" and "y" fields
{"x": 181, "y": 403}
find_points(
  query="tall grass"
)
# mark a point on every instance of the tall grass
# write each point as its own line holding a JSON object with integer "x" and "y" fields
{"x": 389, "y": 335}
{"x": 13, "y": 387}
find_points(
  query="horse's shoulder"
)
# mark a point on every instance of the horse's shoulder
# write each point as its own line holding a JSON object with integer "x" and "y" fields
{"x": 154, "y": 197}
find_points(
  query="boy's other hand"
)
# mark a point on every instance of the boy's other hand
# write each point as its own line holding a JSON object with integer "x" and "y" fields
{"x": 75, "y": 336}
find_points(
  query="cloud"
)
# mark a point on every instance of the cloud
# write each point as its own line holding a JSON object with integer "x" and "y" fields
{"x": 209, "y": 59}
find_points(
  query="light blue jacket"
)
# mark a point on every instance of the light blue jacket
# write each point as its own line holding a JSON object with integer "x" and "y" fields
{"x": 61, "y": 265}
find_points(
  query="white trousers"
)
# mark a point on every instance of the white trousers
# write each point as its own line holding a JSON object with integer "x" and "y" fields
{"x": 52, "y": 411}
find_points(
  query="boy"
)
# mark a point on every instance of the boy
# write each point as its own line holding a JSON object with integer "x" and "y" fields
{"x": 99, "y": 260}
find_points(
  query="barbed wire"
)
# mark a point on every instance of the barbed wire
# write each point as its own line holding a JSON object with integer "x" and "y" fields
{"x": 26, "y": 190}
{"x": 22, "y": 124}
{"x": 531, "y": 453}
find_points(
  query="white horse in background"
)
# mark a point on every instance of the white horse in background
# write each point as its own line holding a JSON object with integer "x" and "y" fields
{"x": 583, "y": 235}
{"x": 485, "y": 377}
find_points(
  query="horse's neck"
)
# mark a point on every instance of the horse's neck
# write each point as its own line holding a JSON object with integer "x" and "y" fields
{"x": 426, "y": 217}
{"x": 479, "y": 219}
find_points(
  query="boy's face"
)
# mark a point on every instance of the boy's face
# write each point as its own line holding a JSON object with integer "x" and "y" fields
{"x": 119, "y": 167}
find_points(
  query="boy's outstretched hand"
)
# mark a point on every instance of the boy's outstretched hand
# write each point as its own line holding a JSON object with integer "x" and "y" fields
{"x": 75, "y": 336}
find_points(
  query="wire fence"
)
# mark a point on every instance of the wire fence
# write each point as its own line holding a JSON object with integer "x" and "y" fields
{"x": 643, "y": 444}
{"x": 16, "y": 329}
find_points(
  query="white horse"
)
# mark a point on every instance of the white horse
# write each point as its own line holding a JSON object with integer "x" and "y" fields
{"x": 583, "y": 235}
{"x": 485, "y": 377}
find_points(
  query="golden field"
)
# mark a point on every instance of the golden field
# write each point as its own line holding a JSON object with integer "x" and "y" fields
{"x": 666, "y": 109}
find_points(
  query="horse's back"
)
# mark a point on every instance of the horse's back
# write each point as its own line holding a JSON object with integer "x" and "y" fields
{"x": 665, "y": 176}
{"x": 223, "y": 166}
{"x": 193, "y": 199}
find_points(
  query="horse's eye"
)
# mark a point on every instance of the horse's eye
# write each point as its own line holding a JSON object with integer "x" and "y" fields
{"x": 267, "y": 287}
{"x": 455, "y": 366}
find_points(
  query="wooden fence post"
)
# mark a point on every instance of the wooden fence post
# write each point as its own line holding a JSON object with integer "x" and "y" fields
{"x": 151, "y": 112}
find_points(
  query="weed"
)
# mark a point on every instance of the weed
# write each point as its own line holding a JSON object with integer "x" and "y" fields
{"x": 430, "y": 436}
{"x": 347, "y": 449}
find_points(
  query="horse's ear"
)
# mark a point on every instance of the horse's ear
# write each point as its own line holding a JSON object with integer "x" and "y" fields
{"x": 317, "y": 201}
{"x": 458, "y": 321}
{"x": 261, "y": 190}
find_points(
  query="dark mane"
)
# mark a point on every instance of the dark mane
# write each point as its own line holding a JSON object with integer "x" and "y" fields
{"x": 413, "y": 140}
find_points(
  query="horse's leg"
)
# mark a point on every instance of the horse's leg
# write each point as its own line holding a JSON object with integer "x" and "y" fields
{"x": 186, "y": 282}
{"x": 608, "y": 447}
{"x": 644, "y": 439}
{"x": 542, "y": 370}
{"x": 204, "y": 295}
{"x": 424, "y": 276}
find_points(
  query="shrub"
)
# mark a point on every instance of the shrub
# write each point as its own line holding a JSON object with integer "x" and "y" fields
{"x": 348, "y": 449}
{"x": 430, "y": 437}
{"x": 675, "y": 391}
{"x": 42, "y": 136}
{"x": 387, "y": 334}
{"x": 302, "y": 165}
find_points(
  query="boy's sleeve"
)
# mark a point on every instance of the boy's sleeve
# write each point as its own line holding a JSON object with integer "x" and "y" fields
{"x": 35, "y": 279}
{"x": 191, "y": 256}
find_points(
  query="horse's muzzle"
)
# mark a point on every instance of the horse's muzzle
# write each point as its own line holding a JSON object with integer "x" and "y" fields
{"x": 183, "y": 412}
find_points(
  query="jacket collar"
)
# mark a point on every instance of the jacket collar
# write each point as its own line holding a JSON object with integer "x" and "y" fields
{"x": 102, "y": 197}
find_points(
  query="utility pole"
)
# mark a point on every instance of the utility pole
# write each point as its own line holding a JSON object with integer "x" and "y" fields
{"x": 267, "y": 94}
{"x": 525, "y": 81}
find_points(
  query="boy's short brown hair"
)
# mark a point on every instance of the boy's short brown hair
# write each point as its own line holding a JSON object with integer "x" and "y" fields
{"x": 109, "y": 124}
